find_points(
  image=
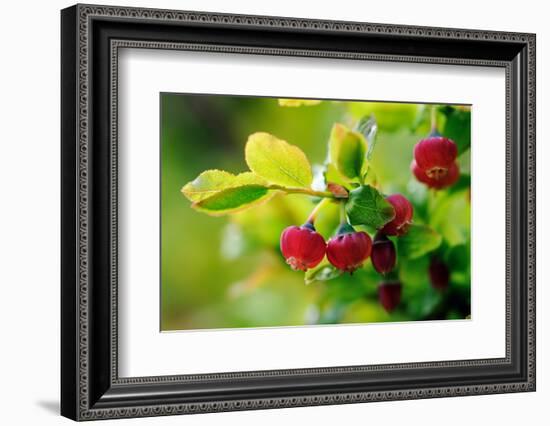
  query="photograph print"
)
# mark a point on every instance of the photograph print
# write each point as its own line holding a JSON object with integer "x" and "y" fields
{"x": 281, "y": 212}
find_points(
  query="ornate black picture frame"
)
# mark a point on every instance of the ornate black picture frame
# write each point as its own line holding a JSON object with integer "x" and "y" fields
{"x": 91, "y": 37}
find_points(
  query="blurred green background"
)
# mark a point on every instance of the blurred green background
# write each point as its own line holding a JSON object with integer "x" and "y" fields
{"x": 227, "y": 272}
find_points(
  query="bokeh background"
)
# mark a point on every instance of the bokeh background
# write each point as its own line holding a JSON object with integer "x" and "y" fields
{"x": 227, "y": 272}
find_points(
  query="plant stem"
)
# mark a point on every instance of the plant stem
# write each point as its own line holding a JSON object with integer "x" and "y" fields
{"x": 434, "y": 119}
{"x": 433, "y": 200}
{"x": 316, "y": 210}
{"x": 343, "y": 218}
{"x": 306, "y": 191}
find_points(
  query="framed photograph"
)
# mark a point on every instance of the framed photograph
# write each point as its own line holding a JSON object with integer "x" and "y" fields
{"x": 263, "y": 212}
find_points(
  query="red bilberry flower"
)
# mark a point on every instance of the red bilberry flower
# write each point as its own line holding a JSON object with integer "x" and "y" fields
{"x": 383, "y": 255}
{"x": 302, "y": 247}
{"x": 439, "y": 274}
{"x": 403, "y": 216}
{"x": 435, "y": 154}
{"x": 348, "y": 250}
{"x": 435, "y": 161}
{"x": 389, "y": 295}
{"x": 449, "y": 179}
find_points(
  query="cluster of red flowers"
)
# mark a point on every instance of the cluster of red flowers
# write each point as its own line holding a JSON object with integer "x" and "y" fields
{"x": 304, "y": 248}
{"x": 434, "y": 164}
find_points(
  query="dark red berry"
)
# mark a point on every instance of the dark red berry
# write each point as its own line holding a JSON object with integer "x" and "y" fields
{"x": 449, "y": 179}
{"x": 383, "y": 254}
{"x": 348, "y": 250}
{"x": 439, "y": 274}
{"x": 389, "y": 295}
{"x": 302, "y": 246}
{"x": 403, "y": 216}
{"x": 435, "y": 155}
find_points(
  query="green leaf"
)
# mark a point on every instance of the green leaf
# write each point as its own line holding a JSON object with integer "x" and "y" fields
{"x": 457, "y": 127}
{"x": 366, "y": 206}
{"x": 422, "y": 121}
{"x": 424, "y": 303}
{"x": 322, "y": 272}
{"x": 347, "y": 151}
{"x": 458, "y": 257}
{"x": 419, "y": 240}
{"x": 211, "y": 182}
{"x": 232, "y": 200}
{"x": 451, "y": 215}
{"x": 277, "y": 161}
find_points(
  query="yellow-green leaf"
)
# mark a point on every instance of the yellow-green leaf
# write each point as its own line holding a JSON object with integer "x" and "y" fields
{"x": 347, "y": 151}
{"x": 211, "y": 182}
{"x": 333, "y": 175}
{"x": 232, "y": 200}
{"x": 451, "y": 217}
{"x": 298, "y": 102}
{"x": 322, "y": 272}
{"x": 277, "y": 161}
{"x": 389, "y": 116}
